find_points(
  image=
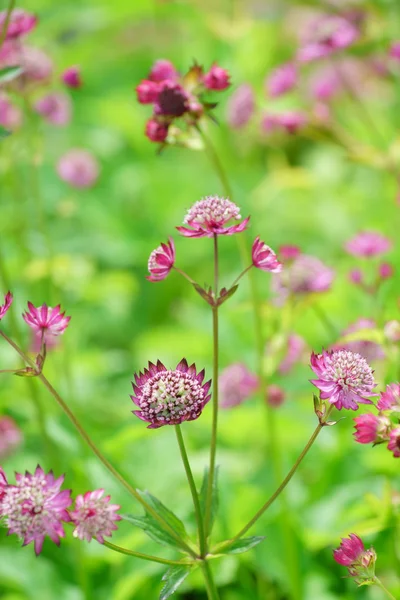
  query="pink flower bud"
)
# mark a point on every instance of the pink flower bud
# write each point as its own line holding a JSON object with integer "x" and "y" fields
{"x": 371, "y": 429}
{"x": 264, "y": 257}
{"x": 359, "y": 561}
{"x": 275, "y": 395}
{"x": 20, "y": 23}
{"x": 217, "y": 78}
{"x": 281, "y": 80}
{"x": 156, "y": 131}
{"x": 56, "y": 108}
{"x": 161, "y": 261}
{"x": 356, "y": 276}
{"x": 162, "y": 70}
{"x": 386, "y": 271}
{"x": 72, "y": 77}
{"x": 147, "y": 91}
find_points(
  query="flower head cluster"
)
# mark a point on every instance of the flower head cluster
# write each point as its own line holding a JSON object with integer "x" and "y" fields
{"x": 327, "y": 35}
{"x": 236, "y": 384}
{"x": 359, "y": 561}
{"x": 169, "y": 397}
{"x": 94, "y": 516}
{"x": 368, "y": 244}
{"x": 303, "y": 275}
{"x": 46, "y": 321}
{"x": 161, "y": 261}
{"x": 345, "y": 378}
{"x": 174, "y": 97}
{"x": 209, "y": 216}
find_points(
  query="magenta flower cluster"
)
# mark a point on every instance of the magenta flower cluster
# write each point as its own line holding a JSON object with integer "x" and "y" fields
{"x": 368, "y": 245}
{"x": 360, "y": 562}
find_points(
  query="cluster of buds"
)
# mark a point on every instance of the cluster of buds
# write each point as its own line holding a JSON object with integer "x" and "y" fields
{"x": 178, "y": 97}
{"x": 369, "y": 245}
{"x": 360, "y": 562}
{"x": 35, "y": 506}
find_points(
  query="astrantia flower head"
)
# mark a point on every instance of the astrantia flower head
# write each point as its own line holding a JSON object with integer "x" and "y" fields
{"x": 394, "y": 442}
{"x": 264, "y": 257}
{"x": 209, "y": 216}
{"x": 368, "y": 244}
{"x": 236, "y": 384}
{"x": 281, "y": 80}
{"x": 371, "y": 428}
{"x": 303, "y": 275}
{"x": 35, "y": 507}
{"x": 161, "y": 261}
{"x": 353, "y": 555}
{"x": 94, "y": 516}
{"x": 7, "y": 303}
{"x": 327, "y": 35}
{"x": 72, "y": 77}
{"x": 169, "y": 397}
{"x": 20, "y": 23}
{"x": 344, "y": 378}
{"x": 241, "y": 105}
{"x": 79, "y": 168}
{"x": 390, "y": 398}
{"x": 46, "y": 320}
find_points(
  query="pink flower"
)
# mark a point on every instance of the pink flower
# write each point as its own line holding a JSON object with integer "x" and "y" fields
{"x": 391, "y": 330}
{"x": 394, "y": 442}
{"x": 45, "y": 320}
{"x": 390, "y": 398}
{"x": 290, "y": 122}
{"x": 356, "y": 276}
{"x": 325, "y": 83}
{"x": 20, "y": 23}
{"x": 8, "y": 298}
{"x": 367, "y": 244}
{"x": 394, "y": 50}
{"x": 35, "y": 507}
{"x": 264, "y": 257}
{"x": 344, "y": 378}
{"x": 371, "y": 428}
{"x": 94, "y": 517}
{"x": 38, "y": 66}
{"x": 156, "y": 131}
{"x": 147, "y": 91}
{"x": 161, "y": 261}
{"x": 304, "y": 275}
{"x": 386, "y": 271}
{"x": 327, "y": 35}
{"x": 275, "y": 395}
{"x": 216, "y": 78}
{"x": 289, "y": 251}
{"x": 368, "y": 349}
{"x": 236, "y": 384}
{"x": 56, "y": 108}
{"x": 353, "y": 555}
{"x": 209, "y": 216}
{"x": 162, "y": 70}
{"x": 281, "y": 80}
{"x": 79, "y": 168}
{"x": 72, "y": 77}
{"x": 241, "y": 106}
{"x": 10, "y": 436}
{"x": 295, "y": 350}
{"x": 3, "y": 486}
{"x": 10, "y": 115}
{"x": 167, "y": 397}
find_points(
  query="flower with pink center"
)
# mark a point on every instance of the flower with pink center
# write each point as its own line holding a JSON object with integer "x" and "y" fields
{"x": 275, "y": 395}
{"x": 241, "y": 106}
{"x": 216, "y": 78}
{"x": 35, "y": 507}
{"x": 281, "y": 80}
{"x": 161, "y": 261}
{"x": 208, "y": 217}
{"x": 45, "y": 320}
{"x": 72, "y": 77}
{"x": 326, "y": 35}
{"x": 353, "y": 555}
{"x": 79, "y": 168}
{"x": 264, "y": 257}
{"x": 295, "y": 350}
{"x": 147, "y": 91}
{"x": 172, "y": 100}
{"x": 156, "y": 131}
{"x": 94, "y": 516}
{"x": 394, "y": 442}
{"x": 368, "y": 349}
{"x": 8, "y": 298}
{"x": 370, "y": 428}
{"x": 394, "y": 50}
{"x": 390, "y": 398}
{"x": 236, "y": 384}
{"x": 10, "y": 115}
{"x": 170, "y": 397}
{"x": 304, "y": 275}
{"x": 55, "y": 108}
{"x": 10, "y": 436}
{"x": 290, "y": 122}
{"x": 20, "y": 23}
{"x": 368, "y": 244}
{"x": 162, "y": 70}
{"x": 344, "y": 378}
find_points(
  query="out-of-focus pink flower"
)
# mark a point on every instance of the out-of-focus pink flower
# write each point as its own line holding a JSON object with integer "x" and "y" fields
{"x": 241, "y": 106}
{"x": 304, "y": 275}
{"x": 295, "y": 350}
{"x": 371, "y": 429}
{"x": 367, "y": 244}
{"x": 37, "y": 65}
{"x": 359, "y": 561}
{"x": 289, "y": 252}
{"x": 10, "y": 436}
{"x": 35, "y": 507}
{"x": 216, "y": 78}
{"x": 390, "y": 398}
{"x": 10, "y": 115}
{"x": 79, "y": 168}
{"x": 3, "y": 486}
{"x": 327, "y": 35}
{"x": 356, "y": 276}
{"x": 275, "y": 395}
{"x": 391, "y": 330}
{"x": 208, "y": 217}
{"x": 167, "y": 397}
{"x": 325, "y": 83}
{"x": 281, "y": 80}
{"x": 385, "y": 270}
{"x": 8, "y": 298}
{"x": 45, "y": 320}
{"x": 321, "y": 112}
{"x": 344, "y": 378}
{"x": 172, "y": 100}
{"x": 264, "y": 257}
{"x": 156, "y": 131}
{"x": 55, "y": 108}
{"x": 20, "y": 23}
{"x": 290, "y": 121}
{"x": 394, "y": 442}
{"x": 162, "y": 70}
{"x": 72, "y": 77}
{"x": 236, "y": 384}
{"x": 94, "y": 516}
{"x": 161, "y": 261}
{"x": 369, "y": 350}
{"x": 394, "y": 50}
{"x": 147, "y": 91}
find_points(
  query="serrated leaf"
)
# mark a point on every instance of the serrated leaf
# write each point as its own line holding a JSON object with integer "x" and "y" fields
{"x": 165, "y": 513}
{"x": 244, "y": 544}
{"x": 9, "y": 73}
{"x": 173, "y": 579}
{"x": 214, "y": 499}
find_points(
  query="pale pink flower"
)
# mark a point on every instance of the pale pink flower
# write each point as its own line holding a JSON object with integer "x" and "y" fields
{"x": 325, "y": 83}
{"x": 290, "y": 122}
{"x": 359, "y": 561}
{"x": 55, "y": 108}
{"x": 10, "y": 436}
{"x": 20, "y": 23}
{"x": 208, "y": 217}
{"x": 8, "y": 298}
{"x": 45, "y": 320}
{"x": 240, "y": 107}
{"x": 289, "y": 251}
{"x": 216, "y": 78}
{"x": 368, "y": 349}
{"x": 147, "y": 91}
{"x": 326, "y": 35}
{"x": 394, "y": 442}
{"x": 72, "y": 77}
{"x": 170, "y": 397}
{"x": 370, "y": 428}
{"x": 79, "y": 168}
{"x": 10, "y": 115}
{"x": 304, "y": 275}
{"x": 390, "y": 398}
{"x": 161, "y": 261}
{"x": 264, "y": 257}
{"x": 37, "y": 65}
{"x": 295, "y": 350}
{"x": 94, "y": 516}
{"x": 394, "y": 50}
{"x": 344, "y": 378}
{"x": 281, "y": 80}
{"x": 236, "y": 384}
{"x": 275, "y": 395}
{"x": 368, "y": 244}
{"x": 35, "y": 507}
{"x": 162, "y": 70}
{"x": 156, "y": 131}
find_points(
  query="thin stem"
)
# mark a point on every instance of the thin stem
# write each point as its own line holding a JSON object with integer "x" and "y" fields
{"x": 212, "y": 591}
{"x": 214, "y": 430}
{"x": 380, "y": 584}
{"x": 3, "y": 33}
{"x": 163, "y": 561}
{"x": 192, "y": 485}
{"x": 239, "y": 277}
{"x": 96, "y": 451}
{"x": 216, "y": 162}
{"x": 185, "y": 275}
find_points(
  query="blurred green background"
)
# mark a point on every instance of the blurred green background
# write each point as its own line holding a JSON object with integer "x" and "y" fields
{"x": 90, "y": 253}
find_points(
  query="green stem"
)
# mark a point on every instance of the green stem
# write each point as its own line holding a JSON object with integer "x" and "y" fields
{"x": 6, "y": 22}
{"x": 239, "y": 277}
{"x": 213, "y": 155}
{"x": 185, "y": 275}
{"x": 325, "y": 320}
{"x": 192, "y": 485}
{"x": 96, "y": 451}
{"x": 212, "y": 591}
{"x": 163, "y": 561}
{"x": 214, "y": 430}
{"x": 380, "y": 584}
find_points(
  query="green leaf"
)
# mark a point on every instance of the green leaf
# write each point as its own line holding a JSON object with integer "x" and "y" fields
{"x": 173, "y": 579}
{"x": 166, "y": 514}
{"x": 214, "y": 499}
{"x": 9, "y": 73}
{"x": 4, "y": 132}
{"x": 244, "y": 544}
